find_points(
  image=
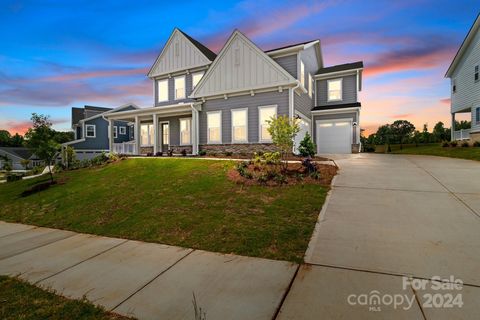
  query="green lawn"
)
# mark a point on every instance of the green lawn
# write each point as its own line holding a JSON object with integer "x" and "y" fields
{"x": 471, "y": 153}
{"x": 20, "y": 300}
{"x": 184, "y": 202}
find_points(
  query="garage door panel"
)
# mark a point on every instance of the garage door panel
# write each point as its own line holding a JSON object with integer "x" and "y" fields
{"x": 334, "y": 136}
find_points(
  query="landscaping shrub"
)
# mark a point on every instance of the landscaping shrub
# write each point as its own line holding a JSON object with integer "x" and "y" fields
{"x": 7, "y": 166}
{"x": 476, "y": 144}
{"x": 159, "y": 154}
{"x": 37, "y": 170}
{"x": 453, "y": 144}
{"x": 184, "y": 152}
{"x": 307, "y": 147}
{"x": 11, "y": 177}
{"x": 369, "y": 148}
{"x": 465, "y": 144}
{"x": 445, "y": 144}
{"x": 170, "y": 153}
{"x": 202, "y": 153}
{"x": 309, "y": 165}
{"x": 228, "y": 153}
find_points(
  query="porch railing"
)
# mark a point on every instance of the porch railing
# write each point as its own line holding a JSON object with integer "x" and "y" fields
{"x": 463, "y": 134}
{"x": 128, "y": 147}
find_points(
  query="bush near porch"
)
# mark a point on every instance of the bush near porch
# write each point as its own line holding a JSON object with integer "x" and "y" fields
{"x": 184, "y": 202}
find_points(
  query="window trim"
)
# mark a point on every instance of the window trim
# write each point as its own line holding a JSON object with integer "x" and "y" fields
{"x": 160, "y": 125}
{"x": 115, "y": 132}
{"x": 220, "y": 127}
{"x": 232, "y": 111}
{"x": 158, "y": 89}
{"x": 94, "y": 130}
{"x": 184, "y": 87}
{"x": 202, "y": 73}
{"x": 123, "y": 130}
{"x": 341, "y": 89}
{"x": 260, "y": 140}
{"x": 477, "y": 115}
{"x": 310, "y": 85}
{"x": 150, "y": 143}
{"x": 302, "y": 73}
{"x": 180, "y": 129}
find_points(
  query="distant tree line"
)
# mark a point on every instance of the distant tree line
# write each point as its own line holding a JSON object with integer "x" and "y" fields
{"x": 17, "y": 140}
{"x": 404, "y": 132}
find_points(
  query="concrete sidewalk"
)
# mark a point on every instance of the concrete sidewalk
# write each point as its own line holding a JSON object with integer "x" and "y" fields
{"x": 144, "y": 280}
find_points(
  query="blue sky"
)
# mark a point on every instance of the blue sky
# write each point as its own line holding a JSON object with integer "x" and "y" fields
{"x": 58, "y": 54}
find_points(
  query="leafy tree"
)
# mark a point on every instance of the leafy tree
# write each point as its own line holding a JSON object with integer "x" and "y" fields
{"x": 306, "y": 147}
{"x": 384, "y": 134}
{"x": 25, "y": 163}
{"x": 40, "y": 139}
{"x": 63, "y": 136}
{"x": 5, "y": 138}
{"x": 16, "y": 140}
{"x": 283, "y": 132}
{"x": 464, "y": 124}
{"x": 439, "y": 132}
{"x": 425, "y": 134}
{"x": 402, "y": 129}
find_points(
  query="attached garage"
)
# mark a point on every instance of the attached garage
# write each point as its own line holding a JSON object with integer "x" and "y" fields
{"x": 334, "y": 136}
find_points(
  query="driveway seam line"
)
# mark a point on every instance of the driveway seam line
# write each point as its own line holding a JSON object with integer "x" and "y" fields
{"x": 17, "y": 232}
{"x": 76, "y": 264}
{"x": 284, "y": 297}
{"x": 418, "y": 302}
{"x": 389, "y": 189}
{"x": 150, "y": 281}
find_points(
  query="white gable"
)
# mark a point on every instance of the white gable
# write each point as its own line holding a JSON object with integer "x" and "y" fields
{"x": 241, "y": 65}
{"x": 178, "y": 54}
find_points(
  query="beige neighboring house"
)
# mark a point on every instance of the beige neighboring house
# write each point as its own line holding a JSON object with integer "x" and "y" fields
{"x": 464, "y": 74}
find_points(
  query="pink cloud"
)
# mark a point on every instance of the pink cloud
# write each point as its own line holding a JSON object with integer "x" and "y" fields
{"x": 21, "y": 127}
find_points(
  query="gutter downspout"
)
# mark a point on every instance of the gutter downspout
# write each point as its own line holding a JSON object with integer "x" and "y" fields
{"x": 291, "y": 93}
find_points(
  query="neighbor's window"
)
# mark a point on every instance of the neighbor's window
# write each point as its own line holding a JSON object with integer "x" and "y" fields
{"x": 180, "y": 88}
{"x": 265, "y": 114}
{"x": 146, "y": 133}
{"x": 185, "y": 131}
{"x": 476, "y": 73}
{"x": 454, "y": 85}
{"x": 123, "y": 130}
{"x": 239, "y": 125}
{"x": 302, "y": 74}
{"x": 310, "y": 85}
{"x": 214, "y": 130}
{"x": 162, "y": 90}
{"x": 196, "y": 79}
{"x": 334, "y": 88}
{"x": 90, "y": 130}
{"x": 477, "y": 114}
{"x": 115, "y": 131}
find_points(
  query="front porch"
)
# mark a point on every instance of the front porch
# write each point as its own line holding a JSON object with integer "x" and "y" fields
{"x": 156, "y": 130}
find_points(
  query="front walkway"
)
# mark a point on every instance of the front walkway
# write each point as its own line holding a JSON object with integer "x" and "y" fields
{"x": 144, "y": 280}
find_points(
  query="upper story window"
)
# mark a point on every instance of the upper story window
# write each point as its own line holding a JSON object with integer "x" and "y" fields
{"x": 454, "y": 86}
{"x": 180, "y": 88}
{"x": 90, "y": 131}
{"x": 146, "y": 134}
{"x": 302, "y": 74}
{"x": 334, "y": 89}
{"x": 185, "y": 131}
{"x": 123, "y": 130}
{"x": 265, "y": 114}
{"x": 115, "y": 131}
{"x": 214, "y": 127}
{"x": 239, "y": 125}
{"x": 310, "y": 85}
{"x": 476, "y": 73}
{"x": 196, "y": 77}
{"x": 162, "y": 90}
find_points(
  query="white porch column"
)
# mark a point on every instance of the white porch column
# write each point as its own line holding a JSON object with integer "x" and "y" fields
{"x": 194, "y": 131}
{"x": 452, "y": 128}
{"x": 110, "y": 135}
{"x": 155, "y": 134}
{"x": 137, "y": 135}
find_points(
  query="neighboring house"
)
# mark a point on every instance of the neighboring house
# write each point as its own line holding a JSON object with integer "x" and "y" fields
{"x": 465, "y": 83}
{"x": 15, "y": 155}
{"x": 221, "y": 103}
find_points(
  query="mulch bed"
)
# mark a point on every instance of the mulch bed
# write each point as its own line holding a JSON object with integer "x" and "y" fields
{"x": 249, "y": 156}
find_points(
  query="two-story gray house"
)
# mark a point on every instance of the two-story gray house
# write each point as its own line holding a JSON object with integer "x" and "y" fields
{"x": 464, "y": 77}
{"x": 219, "y": 103}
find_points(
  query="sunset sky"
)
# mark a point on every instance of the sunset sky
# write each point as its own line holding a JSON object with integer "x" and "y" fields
{"x": 61, "y": 54}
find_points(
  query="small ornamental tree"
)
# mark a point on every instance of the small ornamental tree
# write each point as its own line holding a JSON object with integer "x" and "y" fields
{"x": 41, "y": 140}
{"x": 283, "y": 131}
{"x": 25, "y": 163}
{"x": 306, "y": 147}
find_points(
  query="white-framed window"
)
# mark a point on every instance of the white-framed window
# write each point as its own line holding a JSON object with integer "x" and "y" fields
{"x": 162, "y": 86}
{"x": 240, "y": 125}
{"x": 196, "y": 77}
{"x": 123, "y": 130}
{"x": 146, "y": 134}
{"x": 310, "y": 85}
{"x": 179, "y": 87}
{"x": 214, "y": 127}
{"x": 264, "y": 114}
{"x": 115, "y": 131}
{"x": 90, "y": 131}
{"x": 334, "y": 89}
{"x": 185, "y": 131}
{"x": 302, "y": 73}
{"x": 477, "y": 115}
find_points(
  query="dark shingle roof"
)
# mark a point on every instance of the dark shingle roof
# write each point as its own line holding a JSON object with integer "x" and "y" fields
{"x": 289, "y": 46}
{"x": 77, "y": 115}
{"x": 207, "y": 52}
{"x": 95, "y": 108}
{"x": 23, "y": 153}
{"x": 338, "y": 106}
{"x": 341, "y": 67}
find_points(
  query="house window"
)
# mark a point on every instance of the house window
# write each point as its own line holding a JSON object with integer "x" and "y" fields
{"x": 162, "y": 90}
{"x": 146, "y": 134}
{"x": 196, "y": 79}
{"x": 310, "y": 85}
{"x": 115, "y": 131}
{"x": 454, "y": 85}
{"x": 477, "y": 115}
{"x": 123, "y": 130}
{"x": 302, "y": 74}
{"x": 476, "y": 73}
{"x": 265, "y": 114}
{"x": 214, "y": 127}
{"x": 334, "y": 88}
{"x": 180, "y": 88}
{"x": 185, "y": 131}
{"x": 90, "y": 131}
{"x": 239, "y": 125}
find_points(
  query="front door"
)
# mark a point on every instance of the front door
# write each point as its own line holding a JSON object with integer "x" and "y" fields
{"x": 165, "y": 137}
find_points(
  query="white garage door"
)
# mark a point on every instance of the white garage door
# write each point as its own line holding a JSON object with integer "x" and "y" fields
{"x": 304, "y": 128}
{"x": 334, "y": 136}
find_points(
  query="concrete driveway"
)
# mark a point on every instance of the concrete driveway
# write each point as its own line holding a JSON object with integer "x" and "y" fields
{"x": 389, "y": 216}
